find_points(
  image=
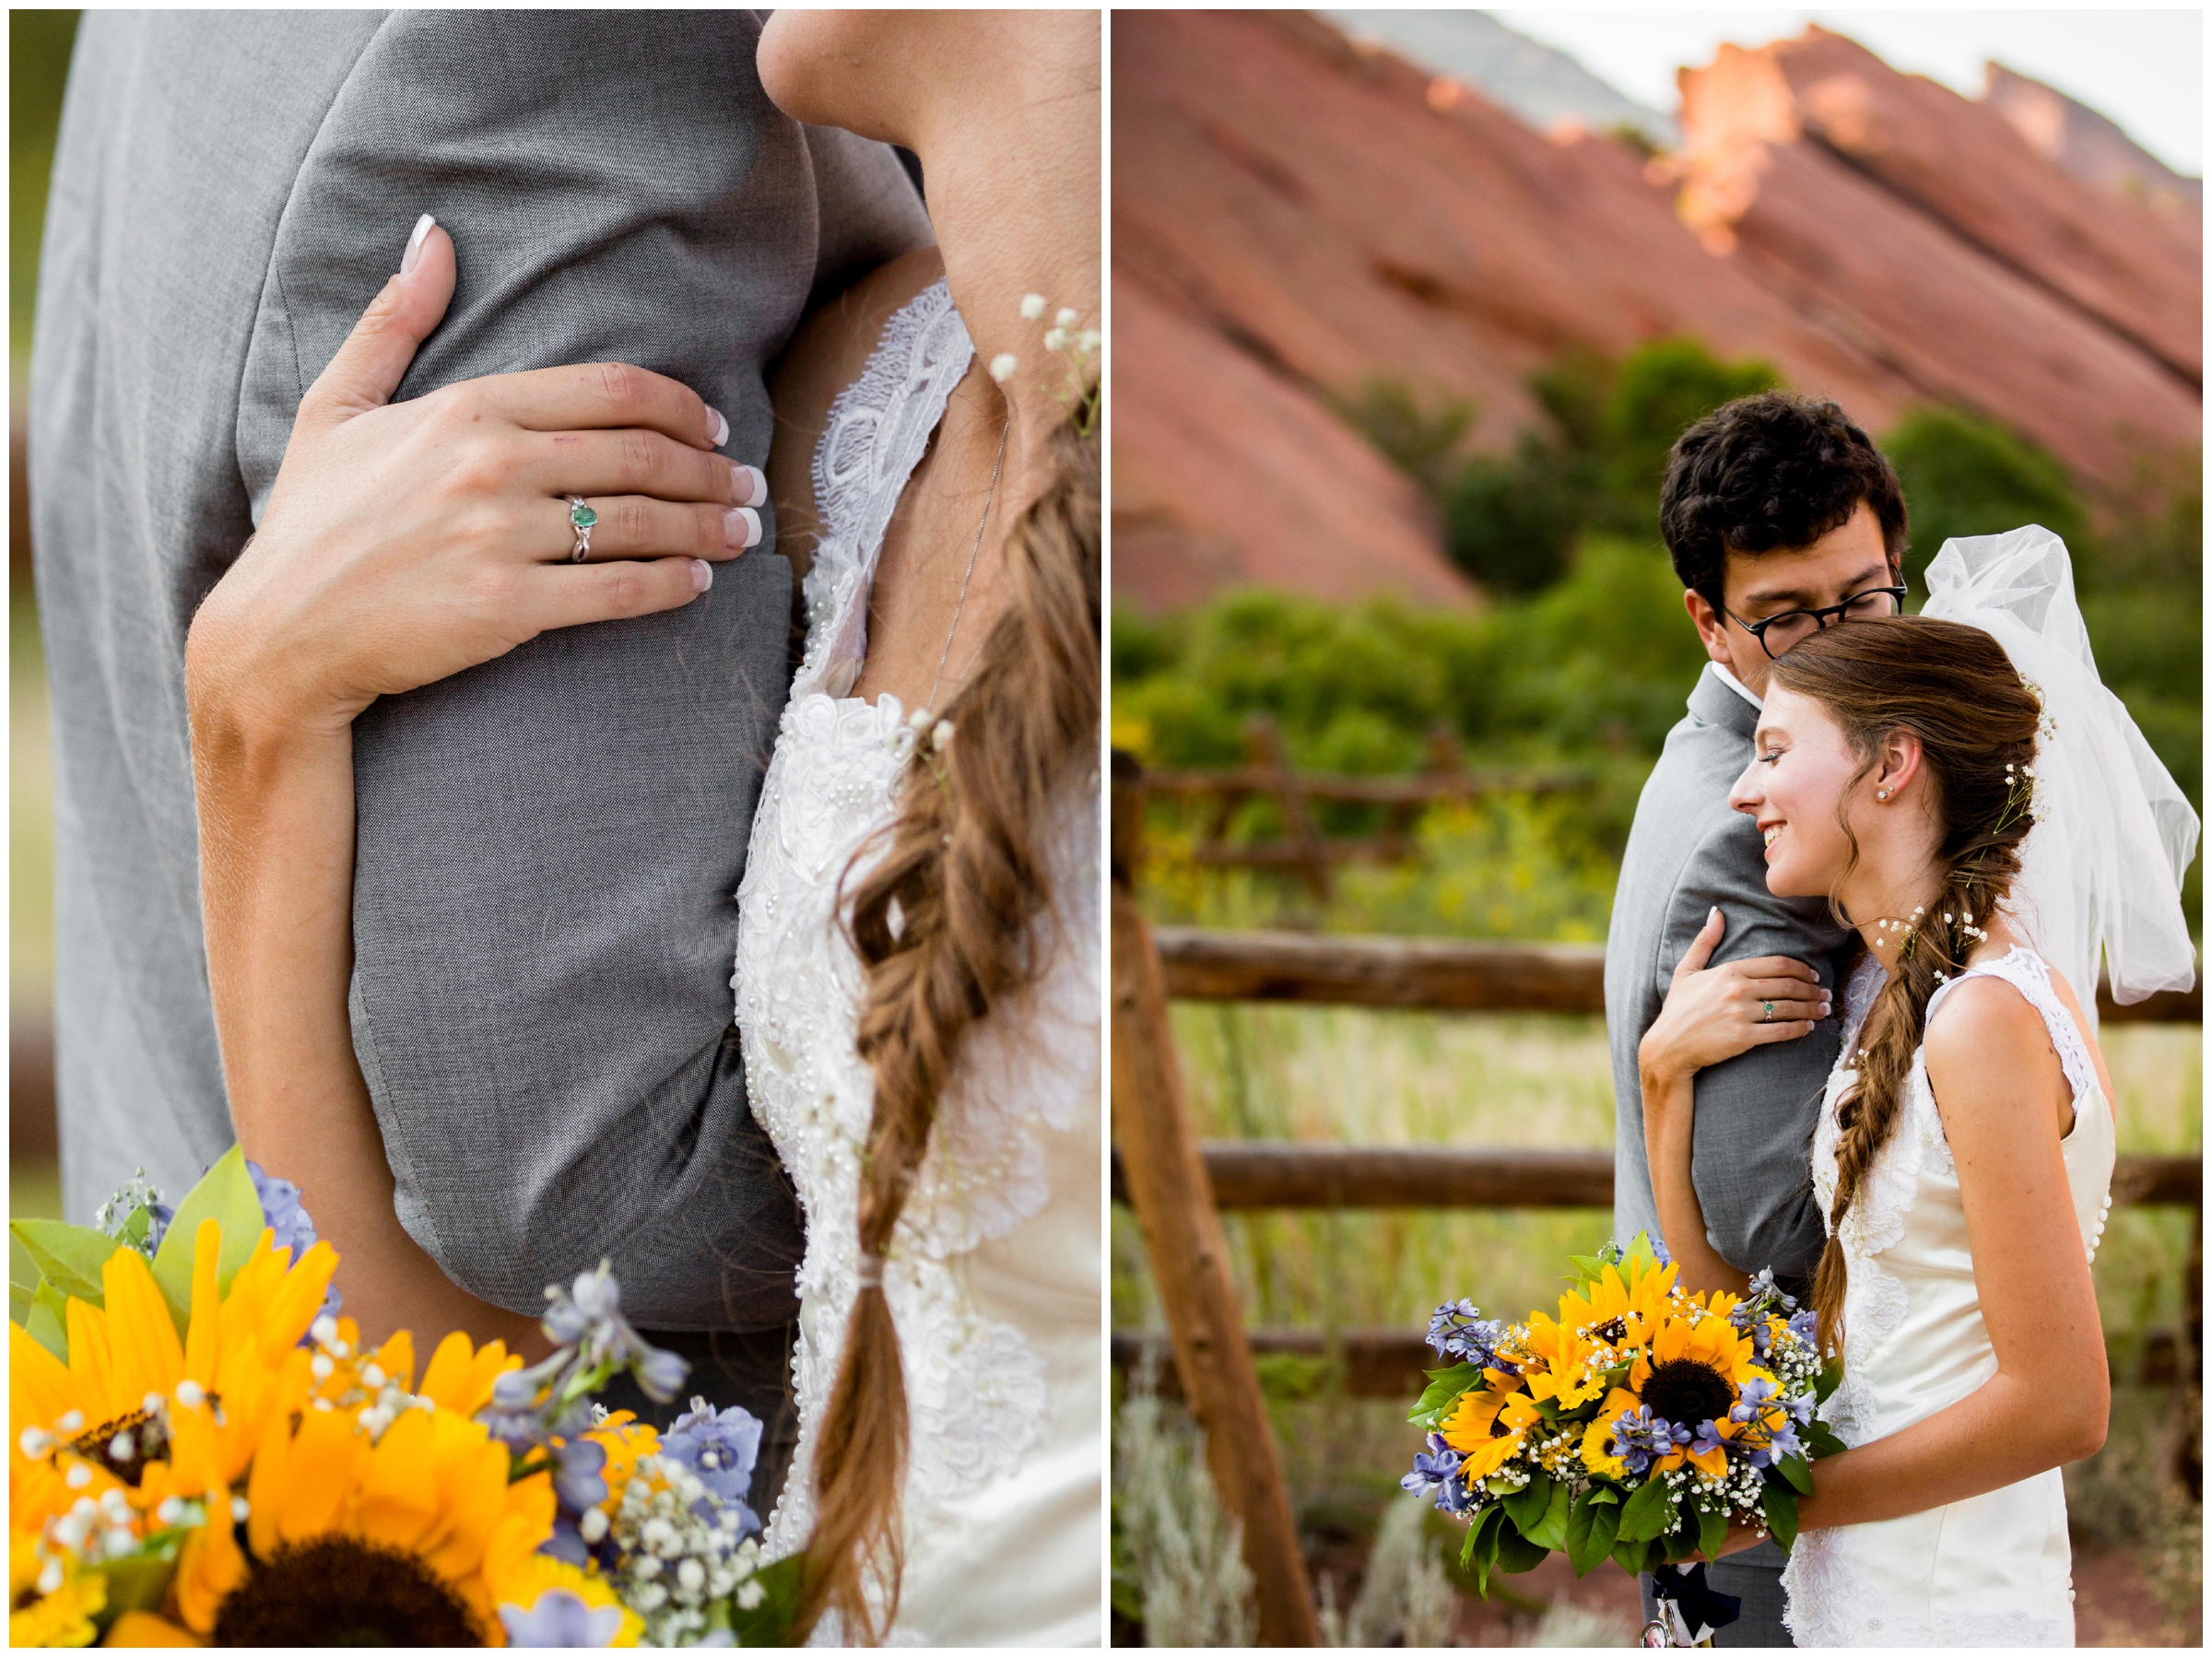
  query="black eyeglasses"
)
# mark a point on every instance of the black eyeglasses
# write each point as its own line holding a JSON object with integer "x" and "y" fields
{"x": 1777, "y": 635}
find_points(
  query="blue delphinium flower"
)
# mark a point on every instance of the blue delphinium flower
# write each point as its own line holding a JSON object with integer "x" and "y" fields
{"x": 1437, "y": 1469}
{"x": 1640, "y": 1437}
{"x": 281, "y": 1212}
{"x": 1805, "y": 1325}
{"x": 1458, "y": 1331}
{"x": 560, "y": 1618}
{"x": 588, "y": 1316}
{"x": 721, "y": 1447}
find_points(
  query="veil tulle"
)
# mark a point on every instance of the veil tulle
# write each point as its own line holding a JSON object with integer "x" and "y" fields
{"x": 2101, "y": 870}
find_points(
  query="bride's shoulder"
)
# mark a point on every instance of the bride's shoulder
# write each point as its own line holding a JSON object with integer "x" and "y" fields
{"x": 826, "y": 355}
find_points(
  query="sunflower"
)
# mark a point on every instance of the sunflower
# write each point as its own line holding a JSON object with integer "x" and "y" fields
{"x": 1565, "y": 1355}
{"x": 136, "y": 1408}
{"x": 1622, "y": 1312}
{"x": 1488, "y": 1428}
{"x": 62, "y": 1618}
{"x": 416, "y": 1509}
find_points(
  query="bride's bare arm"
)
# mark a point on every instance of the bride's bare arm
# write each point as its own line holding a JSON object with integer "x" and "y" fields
{"x": 2004, "y": 1100}
{"x": 401, "y": 545}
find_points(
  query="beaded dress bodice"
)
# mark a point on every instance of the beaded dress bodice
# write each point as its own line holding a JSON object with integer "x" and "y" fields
{"x": 993, "y": 1270}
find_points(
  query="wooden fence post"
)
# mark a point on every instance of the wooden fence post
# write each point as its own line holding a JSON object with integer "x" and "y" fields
{"x": 1175, "y": 1204}
{"x": 1264, "y": 738}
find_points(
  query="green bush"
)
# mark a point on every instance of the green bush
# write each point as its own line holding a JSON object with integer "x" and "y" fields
{"x": 1965, "y": 475}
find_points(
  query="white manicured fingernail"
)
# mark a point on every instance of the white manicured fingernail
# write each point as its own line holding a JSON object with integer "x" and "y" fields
{"x": 1713, "y": 915}
{"x": 718, "y": 428}
{"x": 751, "y": 484}
{"x": 423, "y": 228}
{"x": 741, "y": 528}
{"x": 702, "y": 575}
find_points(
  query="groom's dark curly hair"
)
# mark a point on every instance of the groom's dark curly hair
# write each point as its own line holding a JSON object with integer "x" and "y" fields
{"x": 1768, "y": 473}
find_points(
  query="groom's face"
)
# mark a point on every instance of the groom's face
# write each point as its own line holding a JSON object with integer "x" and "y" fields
{"x": 1844, "y": 562}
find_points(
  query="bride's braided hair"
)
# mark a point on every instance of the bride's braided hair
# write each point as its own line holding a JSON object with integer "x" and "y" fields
{"x": 1953, "y": 688}
{"x": 946, "y": 922}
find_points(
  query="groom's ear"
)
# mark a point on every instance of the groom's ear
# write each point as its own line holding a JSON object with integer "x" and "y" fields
{"x": 1712, "y": 629}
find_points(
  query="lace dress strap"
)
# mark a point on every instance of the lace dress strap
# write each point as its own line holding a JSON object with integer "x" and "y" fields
{"x": 2029, "y": 974}
{"x": 878, "y": 431}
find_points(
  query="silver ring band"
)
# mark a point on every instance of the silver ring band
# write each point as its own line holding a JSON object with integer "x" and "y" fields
{"x": 580, "y": 519}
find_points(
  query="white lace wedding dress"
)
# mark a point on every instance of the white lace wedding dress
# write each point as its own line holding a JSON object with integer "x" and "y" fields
{"x": 996, "y": 1269}
{"x": 1993, "y": 1569}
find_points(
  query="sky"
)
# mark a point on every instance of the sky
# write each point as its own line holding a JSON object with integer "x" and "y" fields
{"x": 2141, "y": 69}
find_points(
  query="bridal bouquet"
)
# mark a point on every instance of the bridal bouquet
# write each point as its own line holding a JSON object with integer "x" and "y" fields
{"x": 200, "y": 1451}
{"x": 1637, "y": 1424}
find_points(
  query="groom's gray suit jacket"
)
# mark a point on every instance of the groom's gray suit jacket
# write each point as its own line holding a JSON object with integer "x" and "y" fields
{"x": 1751, "y": 1154}
{"x": 544, "y": 918}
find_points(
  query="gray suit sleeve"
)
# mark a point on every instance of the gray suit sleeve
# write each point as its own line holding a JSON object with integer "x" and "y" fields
{"x": 1751, "y": 1149}
{"x": 549, "y": 845}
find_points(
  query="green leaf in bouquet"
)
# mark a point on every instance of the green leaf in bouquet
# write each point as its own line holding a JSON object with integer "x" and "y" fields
{"x": 225, "y": 1195}
{"x": 1525, "y": 1507}
{"x": 1781, "y": 1514}
{"x": 1712, "y": 1532}
{"x": 768, "y": 1623}
{"x": 1820, "y": 1440}
{"x": 1645, "y": 1515}
{"x": 140, "y": 1583}
{"x": 1517, "y": 1553}
{"x": 1444, "y": 1390}
{"x": 49, "y": 1320}
{"x": 1479, "y": 1551}
{"x": 1793, "y": 1468}
{"x": 1635, "y": 1558}
{"x": 1549, "y": 1532}
{"x": 1588, "y": 1268}
{"x": 69, "y": 1257}
{"x": 1828, "y": 1380}
{"x": 1591, "y": 1527}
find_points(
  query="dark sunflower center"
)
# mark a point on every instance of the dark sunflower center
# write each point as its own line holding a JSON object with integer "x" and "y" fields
{"x": 339, "y": 1590}
{"x": 125, "y": 1445}
{"x": 1611, "y": 1332}
{"x": 1688, "y": 1392}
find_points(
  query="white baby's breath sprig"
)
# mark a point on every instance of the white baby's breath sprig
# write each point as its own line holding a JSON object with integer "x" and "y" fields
{"x": 1066, "y": 337}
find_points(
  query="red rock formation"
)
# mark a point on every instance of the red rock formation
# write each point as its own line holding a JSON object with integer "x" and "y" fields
{"x": 1965, "y": 165}
{"x": 1293, "y": 214}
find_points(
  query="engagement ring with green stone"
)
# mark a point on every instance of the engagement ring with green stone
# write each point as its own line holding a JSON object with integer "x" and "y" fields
{"x": 580, "y": 519}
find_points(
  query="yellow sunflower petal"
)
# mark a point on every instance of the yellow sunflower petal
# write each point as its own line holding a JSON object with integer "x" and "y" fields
{"x": 41, "y": 1389}
{"x": 203, "y": 1340}
{"x": 140, "y": 1629}
{"x": 396, "y": 1357}
{"x": 1487, "y": 1458}
{"x": 321, "y": 1475}
{"x": 89, "y": 1363}
{"x": 399, "y": 1486}
{"x": 210, "y": 1567}
{"x": 63, "y": 1617}
{"x": 142, "y": 1337}
{"x": 460, "y": 1378}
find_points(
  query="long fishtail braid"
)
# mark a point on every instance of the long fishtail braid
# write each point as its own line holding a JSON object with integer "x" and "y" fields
{"x": 944, "y": 922}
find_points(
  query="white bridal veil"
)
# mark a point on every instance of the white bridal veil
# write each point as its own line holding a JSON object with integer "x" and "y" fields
{"x": 2102, "y": 869}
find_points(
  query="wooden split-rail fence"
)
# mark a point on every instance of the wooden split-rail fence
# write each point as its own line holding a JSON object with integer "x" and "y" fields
{"x": 1178, "y": 1185}
{"x": 1303, "y": 848}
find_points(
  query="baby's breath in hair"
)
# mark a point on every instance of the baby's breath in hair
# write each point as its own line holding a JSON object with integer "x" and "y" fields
{"x": 1066, "y": 337}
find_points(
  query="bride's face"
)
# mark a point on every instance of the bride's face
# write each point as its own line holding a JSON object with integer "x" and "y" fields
{"x": 1800, "y": 773}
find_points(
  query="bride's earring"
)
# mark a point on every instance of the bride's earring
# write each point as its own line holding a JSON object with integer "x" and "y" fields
{"x": 1881, "y": 794}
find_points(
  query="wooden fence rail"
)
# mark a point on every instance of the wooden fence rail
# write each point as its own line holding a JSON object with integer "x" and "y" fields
{"x": 1303, "y": 847}
{"x": 1449, "y": 976}
{"x": 1258, "y": 1173}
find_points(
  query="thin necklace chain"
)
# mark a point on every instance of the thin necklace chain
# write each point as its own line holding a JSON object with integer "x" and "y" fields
{"x": 990, "y": 495}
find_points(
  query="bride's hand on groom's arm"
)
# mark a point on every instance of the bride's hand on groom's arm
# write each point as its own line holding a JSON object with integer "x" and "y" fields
{"x": 1715, "y": 1013}
{"x": 403, "y": 543}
